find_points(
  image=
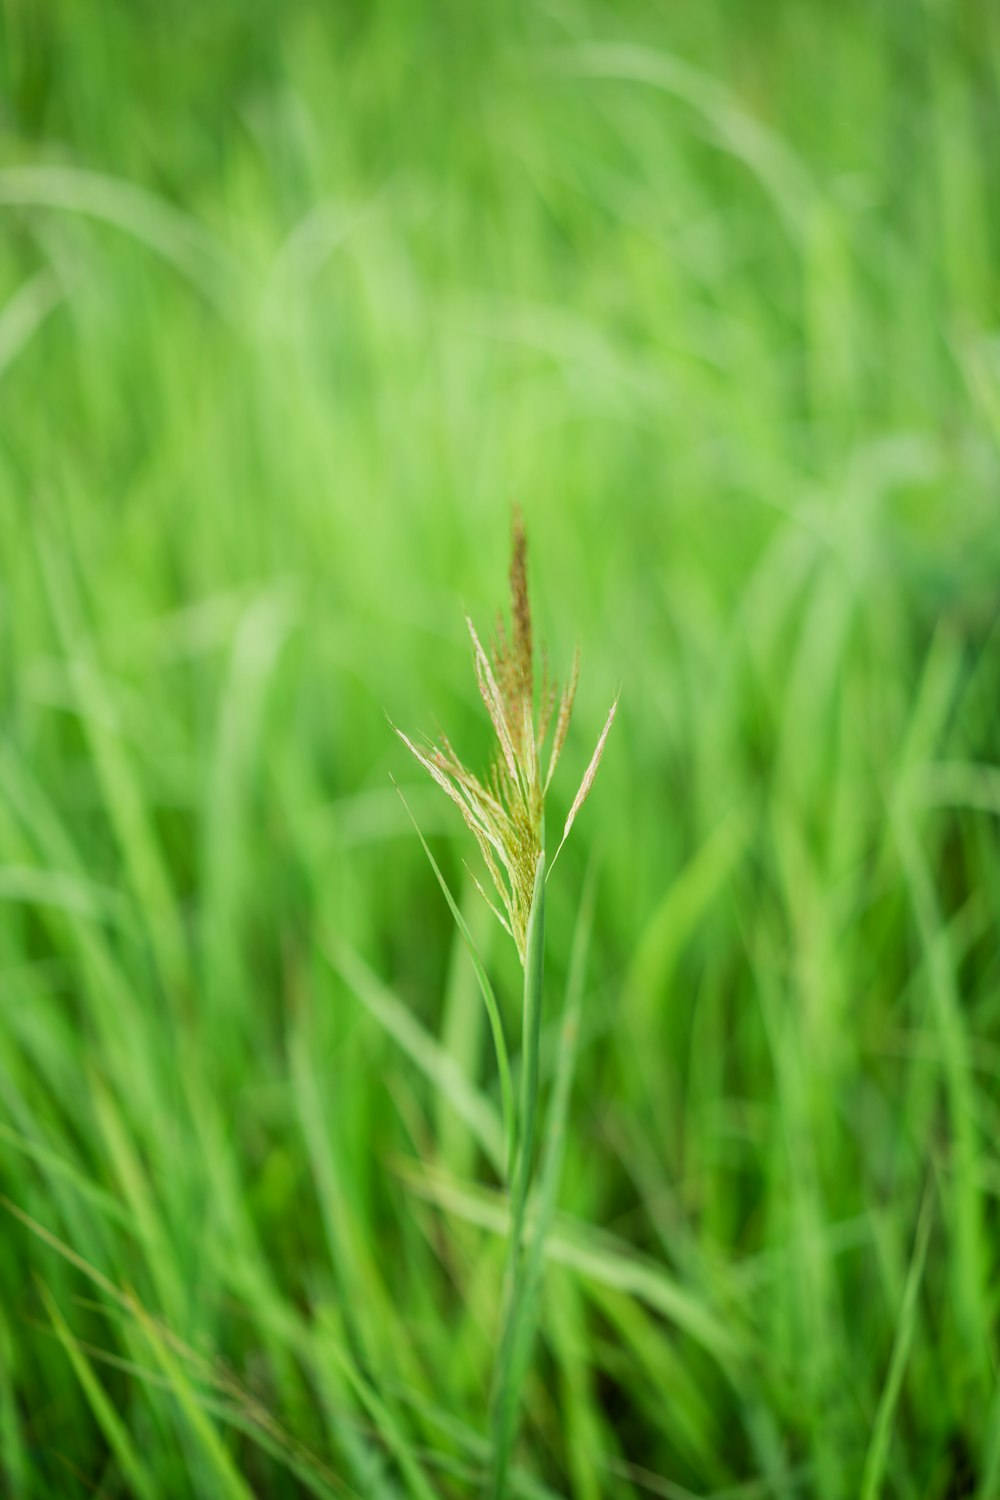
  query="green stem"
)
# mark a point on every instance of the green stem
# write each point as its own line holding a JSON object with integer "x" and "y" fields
{"x": 506, "y": 1393}
{"x": 534, "y": 959}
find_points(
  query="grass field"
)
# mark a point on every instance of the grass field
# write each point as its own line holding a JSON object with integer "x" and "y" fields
{"x": 295, "y": 303}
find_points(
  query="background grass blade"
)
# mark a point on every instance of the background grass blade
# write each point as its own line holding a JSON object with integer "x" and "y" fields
{"x": 877, "y": 1459}
{"x": 489, "y": 998}
{"x": 710, "y": 292}
{"x": 134, "y": 1470}
{"x": 439, "y": 1068}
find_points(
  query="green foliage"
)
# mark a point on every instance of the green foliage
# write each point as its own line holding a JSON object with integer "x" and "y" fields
{"x": 294, "y": 302}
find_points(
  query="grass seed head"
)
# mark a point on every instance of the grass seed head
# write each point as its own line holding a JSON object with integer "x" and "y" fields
{"x": 506, "y": 812}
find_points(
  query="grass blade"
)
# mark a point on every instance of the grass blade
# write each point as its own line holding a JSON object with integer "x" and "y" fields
{"x": 878, "y": 1450}
{"x": 111, "y": 1425}
{"x": 432, "y": 1060}
{"x": 217, "y": 1457}
{"x": 596, "y": 1256}
{"x": 488, "y": 994}
{"x": 388, "y": 1427}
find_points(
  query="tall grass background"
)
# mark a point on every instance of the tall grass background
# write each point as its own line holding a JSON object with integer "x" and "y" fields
{"x": 294, "y": 303}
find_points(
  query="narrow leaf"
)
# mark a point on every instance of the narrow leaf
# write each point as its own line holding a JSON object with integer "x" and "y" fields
{"x": 588, "y": 780}
{"x": 486, "y": 988}
{"x": 430, "y": 1057}
{"x": 108, "y": 1420}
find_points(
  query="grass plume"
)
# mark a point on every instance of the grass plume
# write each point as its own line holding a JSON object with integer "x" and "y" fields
{"x": 505, "y": 812}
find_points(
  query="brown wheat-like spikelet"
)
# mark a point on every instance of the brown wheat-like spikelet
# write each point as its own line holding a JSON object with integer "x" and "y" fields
{"x": 506, "y": 813}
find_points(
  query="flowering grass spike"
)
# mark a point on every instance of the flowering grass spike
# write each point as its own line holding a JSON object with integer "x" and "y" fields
{"x": 506, "y": 812}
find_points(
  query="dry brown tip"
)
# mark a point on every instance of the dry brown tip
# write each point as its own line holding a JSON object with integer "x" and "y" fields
{"x": 521, "y": 609}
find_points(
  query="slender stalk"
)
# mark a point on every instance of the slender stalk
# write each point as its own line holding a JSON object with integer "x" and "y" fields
{"x": 546, "y": 1177}
{"x": 506, "y": 815}
{"x": 531, "y": 1033}
{"x": 506, "y": 1393}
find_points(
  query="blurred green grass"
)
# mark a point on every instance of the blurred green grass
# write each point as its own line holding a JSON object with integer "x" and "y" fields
{"x": 293, "y": 303}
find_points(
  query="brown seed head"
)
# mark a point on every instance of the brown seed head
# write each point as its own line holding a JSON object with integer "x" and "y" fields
{"x": 506, "y": 815}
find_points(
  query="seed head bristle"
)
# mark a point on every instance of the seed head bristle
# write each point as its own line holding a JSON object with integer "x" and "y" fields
{"x": 547, "y": 701}
{"x": 562, "y": 721}
{"x": 491, "y": 904}
{"x": 588, "y": 778}
{"x": 504, "y": 665}
{"x": 495, "y": 706}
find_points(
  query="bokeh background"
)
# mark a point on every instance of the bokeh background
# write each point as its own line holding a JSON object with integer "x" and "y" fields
{"x": 295, "y": 302}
